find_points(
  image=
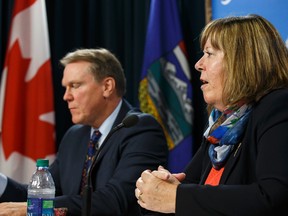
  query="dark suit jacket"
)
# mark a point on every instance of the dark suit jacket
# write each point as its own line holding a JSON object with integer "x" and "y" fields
{"x": 255, "y": 178}
{"x": 123, "y": 157}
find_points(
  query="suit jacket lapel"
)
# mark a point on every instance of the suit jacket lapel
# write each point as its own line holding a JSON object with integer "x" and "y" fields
{"x": 125, "y": 107}
{"x": 231, "y": 162}
{"x": 80, "y": 158}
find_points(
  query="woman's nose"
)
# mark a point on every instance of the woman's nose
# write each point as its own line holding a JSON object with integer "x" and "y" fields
{"x": 199, "y": 66}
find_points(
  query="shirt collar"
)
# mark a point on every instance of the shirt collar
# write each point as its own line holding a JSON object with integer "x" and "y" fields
{"x": 107, "y": 124}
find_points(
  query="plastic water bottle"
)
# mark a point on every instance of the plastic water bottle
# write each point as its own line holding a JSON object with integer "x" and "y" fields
{"x": 41, "y": 191}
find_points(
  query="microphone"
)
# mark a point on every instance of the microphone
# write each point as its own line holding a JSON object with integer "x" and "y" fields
{"x": 128, "y": 121}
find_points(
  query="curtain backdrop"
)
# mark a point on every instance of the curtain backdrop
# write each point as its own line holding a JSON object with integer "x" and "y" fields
{"x": 120, "y": 26}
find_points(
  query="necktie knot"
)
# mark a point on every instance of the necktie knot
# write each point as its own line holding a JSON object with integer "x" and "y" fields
{"x": 95, "y": 138}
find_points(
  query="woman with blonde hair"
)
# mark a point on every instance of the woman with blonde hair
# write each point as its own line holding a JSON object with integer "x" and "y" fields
{"x": 241, "y": 166}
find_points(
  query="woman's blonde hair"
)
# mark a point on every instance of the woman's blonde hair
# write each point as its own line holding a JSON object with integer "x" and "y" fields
{"x": 255, "y": 57}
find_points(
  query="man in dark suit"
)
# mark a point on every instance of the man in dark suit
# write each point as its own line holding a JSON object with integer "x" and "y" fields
{"x": 95, "y": 86}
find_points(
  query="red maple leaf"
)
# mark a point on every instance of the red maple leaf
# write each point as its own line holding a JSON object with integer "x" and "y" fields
{"x": 24, "y": 103}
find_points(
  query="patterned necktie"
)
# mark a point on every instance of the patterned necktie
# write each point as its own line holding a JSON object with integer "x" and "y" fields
{"x": 92, "y": 149}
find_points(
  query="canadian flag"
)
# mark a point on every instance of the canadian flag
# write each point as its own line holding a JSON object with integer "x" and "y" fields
{"x": 26, "y": 96}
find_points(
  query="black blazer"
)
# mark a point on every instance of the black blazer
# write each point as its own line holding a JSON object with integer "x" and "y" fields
{"x": 123, "y": 157}
{"x": 255, "y": 178}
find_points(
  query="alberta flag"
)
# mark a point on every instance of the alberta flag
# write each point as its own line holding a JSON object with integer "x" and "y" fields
{"x": 26, "y": 94}
{"x": 165, "y": 89}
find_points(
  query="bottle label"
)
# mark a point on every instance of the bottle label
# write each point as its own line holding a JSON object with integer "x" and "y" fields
{"x": 40, "y": 207}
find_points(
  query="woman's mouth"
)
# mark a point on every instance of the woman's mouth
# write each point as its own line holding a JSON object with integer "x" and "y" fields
{"x": 203, "y": 83}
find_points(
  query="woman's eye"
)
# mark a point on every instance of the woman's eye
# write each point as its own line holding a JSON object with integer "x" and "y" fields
{"x": 208, "y": 53}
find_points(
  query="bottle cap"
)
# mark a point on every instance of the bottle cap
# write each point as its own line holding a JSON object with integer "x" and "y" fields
{"x": 42, "y": 163}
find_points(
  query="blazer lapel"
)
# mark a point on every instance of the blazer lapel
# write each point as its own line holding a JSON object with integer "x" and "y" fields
{"x": 125, "y": 107}
{"x": 231, "y": 162}
{"x": 79, "y": 160}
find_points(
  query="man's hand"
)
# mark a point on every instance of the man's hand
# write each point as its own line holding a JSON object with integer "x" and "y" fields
{"x": 13, "y": 209}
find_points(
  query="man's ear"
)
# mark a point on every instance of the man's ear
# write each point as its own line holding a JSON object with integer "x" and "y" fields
{"x": 108, "y": 86}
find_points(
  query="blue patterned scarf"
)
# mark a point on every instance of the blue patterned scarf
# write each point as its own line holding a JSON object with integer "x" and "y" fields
{"x": 232, "y": 123}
